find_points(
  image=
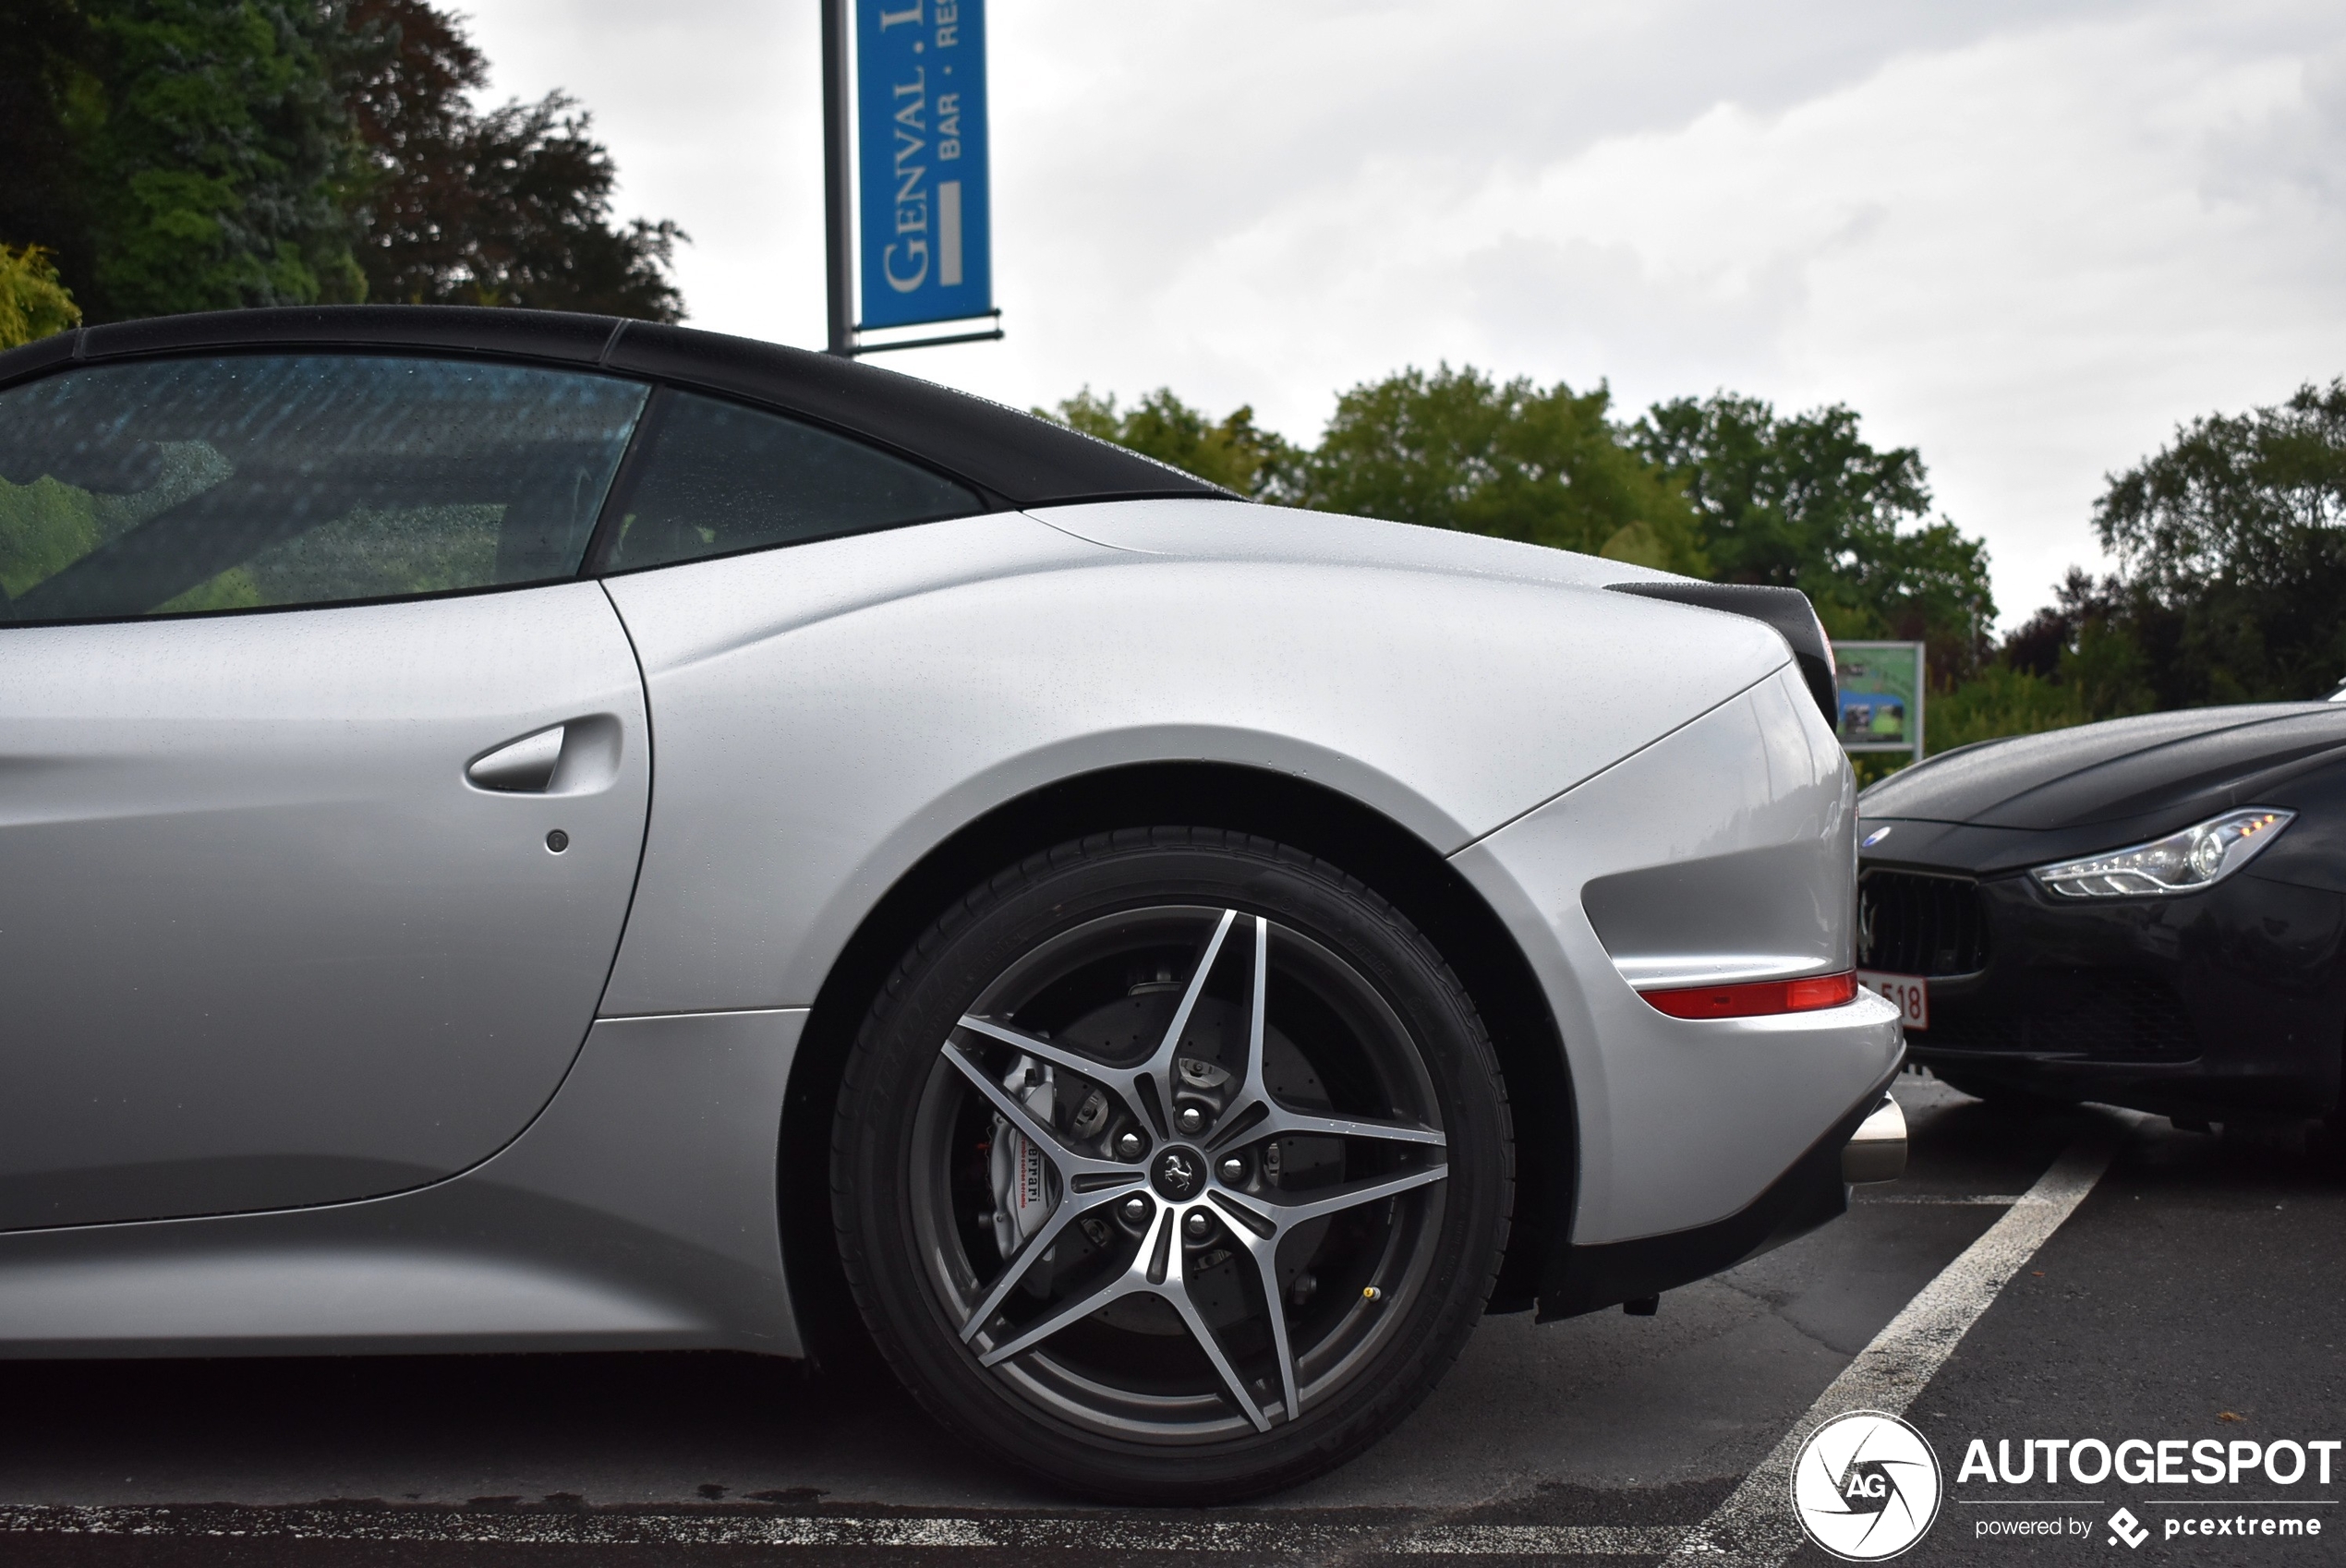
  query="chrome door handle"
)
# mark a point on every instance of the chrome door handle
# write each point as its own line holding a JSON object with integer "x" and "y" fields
{"x": 519, "y": 768}
{"x": 576, "y": 758}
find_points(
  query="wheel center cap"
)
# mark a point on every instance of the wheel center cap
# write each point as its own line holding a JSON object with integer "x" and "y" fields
{"x": 1177, "y": 1173}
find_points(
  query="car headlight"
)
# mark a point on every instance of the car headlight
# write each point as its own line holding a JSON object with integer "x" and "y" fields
{"x": 2199, "y": 856}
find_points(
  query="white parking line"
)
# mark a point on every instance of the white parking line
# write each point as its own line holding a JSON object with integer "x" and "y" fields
{"x": 470, "y": 1529}
{"x": 1959, "y": 1200}
{"x": 1285, "y": 1537}
{"x": 1542, "y": 1541}
{"x": 1754, "y": 1529}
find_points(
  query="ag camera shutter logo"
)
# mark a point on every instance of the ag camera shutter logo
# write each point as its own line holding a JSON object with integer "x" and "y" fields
{"x": 1866, "y": 1486}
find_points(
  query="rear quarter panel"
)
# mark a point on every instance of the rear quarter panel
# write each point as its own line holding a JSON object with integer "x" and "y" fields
{"x": 824, "y": 716}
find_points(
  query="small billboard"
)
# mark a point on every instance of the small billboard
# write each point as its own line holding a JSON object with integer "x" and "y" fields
{"x": 1881, "y": 697}
{"x": 927, "y": 223}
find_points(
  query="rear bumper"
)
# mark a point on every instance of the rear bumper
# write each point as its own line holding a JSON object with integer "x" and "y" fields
{"x": 1859, "y": 1145}
{"x": 1684, "y": 1123}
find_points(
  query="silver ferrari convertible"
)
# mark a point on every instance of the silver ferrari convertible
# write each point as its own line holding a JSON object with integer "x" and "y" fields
{"x": 533, "y": 832}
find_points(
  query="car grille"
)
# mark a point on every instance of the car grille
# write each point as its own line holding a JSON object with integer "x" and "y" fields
{"x": 2103, "y": 1014}
{"x": 1909, "y": 924}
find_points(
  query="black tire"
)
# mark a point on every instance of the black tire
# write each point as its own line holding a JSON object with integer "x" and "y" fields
{"x": 1086, "y": 956}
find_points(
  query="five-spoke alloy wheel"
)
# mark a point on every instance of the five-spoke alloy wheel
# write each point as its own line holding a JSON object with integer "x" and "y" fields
{"x": 1173, "y": 1164}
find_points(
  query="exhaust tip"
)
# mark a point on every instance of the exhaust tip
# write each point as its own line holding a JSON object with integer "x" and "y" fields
{"x": 1877, "y": 1151}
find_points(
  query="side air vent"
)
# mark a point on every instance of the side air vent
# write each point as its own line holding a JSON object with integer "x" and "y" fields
{"x": 1787, "y": 609}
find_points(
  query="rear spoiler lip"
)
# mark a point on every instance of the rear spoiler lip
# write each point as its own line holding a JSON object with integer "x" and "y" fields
{"x": 1786, "y": 610}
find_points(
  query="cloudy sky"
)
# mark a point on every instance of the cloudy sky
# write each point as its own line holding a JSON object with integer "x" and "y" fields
{"x": 2026, "y": 238}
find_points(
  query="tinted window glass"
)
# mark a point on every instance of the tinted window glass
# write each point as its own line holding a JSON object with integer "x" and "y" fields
{"x": 185, "y": 484}
{"x": 719, "y": 478}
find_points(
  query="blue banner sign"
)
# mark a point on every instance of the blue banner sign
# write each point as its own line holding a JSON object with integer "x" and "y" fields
{"x": 920, "y": 104}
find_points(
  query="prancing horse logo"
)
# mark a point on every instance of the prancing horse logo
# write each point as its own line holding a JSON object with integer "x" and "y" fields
{"x": 1177, "y": 1172}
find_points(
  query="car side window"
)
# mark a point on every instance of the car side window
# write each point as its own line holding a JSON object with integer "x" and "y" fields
{"x": 716, "y": 477}
{"x": 253, "y": 481}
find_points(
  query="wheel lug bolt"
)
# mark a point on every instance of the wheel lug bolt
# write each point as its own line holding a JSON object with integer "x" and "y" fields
{"x": 1198, "y": 1226}
{"x": 1233, "y": 1170}
{"x": 1136, "y": 1210}
{"x": 1191, "y": 1119}
{"x": 1129, "y": 1145}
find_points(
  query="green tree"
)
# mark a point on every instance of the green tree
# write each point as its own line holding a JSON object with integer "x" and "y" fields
{"x": 1458, "y": 448}
{"x": 2231, "y": 546}
{"x": 177, "y": 155}
{"x": 1805, "y": 501}
{"x": 2085, "y": 641}
{"x": 508, "y": 207}
{"x": 1233, "y": 451}
{"x": 219, "y": 160}
{"x": 1999, "y": 700}
{"x": 49, "y": 64}
{"x": 33, "y": 302}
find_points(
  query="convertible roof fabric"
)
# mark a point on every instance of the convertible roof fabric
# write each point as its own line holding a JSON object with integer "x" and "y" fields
{"x": 1015, "y": 458}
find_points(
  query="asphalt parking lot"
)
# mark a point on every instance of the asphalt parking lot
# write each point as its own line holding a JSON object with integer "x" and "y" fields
{"x": 2198, "y": 1291}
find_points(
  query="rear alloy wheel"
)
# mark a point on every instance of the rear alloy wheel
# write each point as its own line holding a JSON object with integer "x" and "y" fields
{"x": 1172, "y": 1166}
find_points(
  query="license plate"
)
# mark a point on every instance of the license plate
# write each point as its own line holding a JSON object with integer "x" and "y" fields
{"x": 1910, "y": 992}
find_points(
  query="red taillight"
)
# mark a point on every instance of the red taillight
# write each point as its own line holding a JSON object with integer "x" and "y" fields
{"x": 1758, "y": 998}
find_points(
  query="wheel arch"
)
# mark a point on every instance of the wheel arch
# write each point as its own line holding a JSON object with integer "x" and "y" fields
{"x": 1323, "y": 822}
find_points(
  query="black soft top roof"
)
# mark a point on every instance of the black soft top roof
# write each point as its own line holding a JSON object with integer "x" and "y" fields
{"x": 1014, "y": 458}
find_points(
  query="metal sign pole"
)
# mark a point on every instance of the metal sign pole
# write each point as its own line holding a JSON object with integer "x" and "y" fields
{"x": 838, "y": 236}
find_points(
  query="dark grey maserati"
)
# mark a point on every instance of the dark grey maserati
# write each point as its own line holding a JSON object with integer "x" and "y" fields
{"x": 2149, "y": 912}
